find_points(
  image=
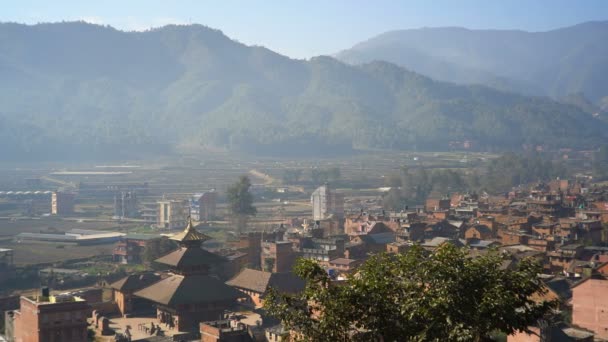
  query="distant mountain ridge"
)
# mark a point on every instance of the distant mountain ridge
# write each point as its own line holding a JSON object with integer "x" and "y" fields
{"x": 77, "y": 90}
{"x": 556, "y": 63}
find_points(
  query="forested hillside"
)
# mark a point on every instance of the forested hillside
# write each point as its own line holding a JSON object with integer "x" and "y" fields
{"x": 555, "y": 63}
{"x": 76, "y": 90}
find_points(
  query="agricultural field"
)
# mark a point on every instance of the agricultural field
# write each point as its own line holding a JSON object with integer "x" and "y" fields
{"x": 361, "y": 176}
{"x": 37, "y": 253}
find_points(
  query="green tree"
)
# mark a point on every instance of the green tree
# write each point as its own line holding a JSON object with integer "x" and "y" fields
{"x": 240, "y": 200}
{"x": 417, "y": 296}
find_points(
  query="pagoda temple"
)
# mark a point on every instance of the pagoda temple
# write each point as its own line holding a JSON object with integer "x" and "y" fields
{"x": 189, "y": 295}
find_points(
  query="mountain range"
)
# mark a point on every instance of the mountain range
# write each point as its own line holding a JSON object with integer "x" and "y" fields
{"x": 75, "y": 90}
{"x": 555, "y": 63}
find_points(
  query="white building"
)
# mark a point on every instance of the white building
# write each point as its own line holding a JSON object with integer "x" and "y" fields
{"x": 326, "y": 203}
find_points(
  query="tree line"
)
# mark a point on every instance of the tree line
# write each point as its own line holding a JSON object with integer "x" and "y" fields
{"x": 413, "y": 185}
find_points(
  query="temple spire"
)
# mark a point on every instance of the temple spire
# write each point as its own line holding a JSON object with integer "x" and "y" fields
{"x": 190, "y": 234}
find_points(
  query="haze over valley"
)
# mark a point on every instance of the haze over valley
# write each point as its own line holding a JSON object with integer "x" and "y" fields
{"x": 76, "y": 91}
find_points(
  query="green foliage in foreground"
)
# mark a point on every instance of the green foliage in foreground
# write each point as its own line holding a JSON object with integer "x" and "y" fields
{"x": 417, "y": 296}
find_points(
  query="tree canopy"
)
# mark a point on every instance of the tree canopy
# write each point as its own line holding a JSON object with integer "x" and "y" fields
{"x": 416, "y": 296}
{"x": 240, "y": 200}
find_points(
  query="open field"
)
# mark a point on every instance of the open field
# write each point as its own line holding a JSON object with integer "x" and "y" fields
{"x": 35, "y": 253}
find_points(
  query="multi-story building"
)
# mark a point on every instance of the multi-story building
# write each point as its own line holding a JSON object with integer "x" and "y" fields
{"x": 202, "y": 206}
{"x": 125, "y": 205}
{"x": 322, "y": 250}
{"x": 326, "y": 203}
{"x": 564, "y": 256}
{"x": 149, "y": 212}
{"x": 130, "y": 248}
{"x": 47, "y": 318}
{"x": 549, "y": 205}
{"x": 277, "y": 256}
{"x": 172, "y": 214}
{"x": 62, "y": 203}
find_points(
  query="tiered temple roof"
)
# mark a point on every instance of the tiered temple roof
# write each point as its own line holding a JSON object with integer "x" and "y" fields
{"x": 189, "y": 283}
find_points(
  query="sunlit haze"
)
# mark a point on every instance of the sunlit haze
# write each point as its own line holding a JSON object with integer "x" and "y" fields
{"x": 302, "y": 29}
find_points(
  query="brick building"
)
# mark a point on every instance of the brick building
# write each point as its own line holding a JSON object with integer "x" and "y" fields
{"x": 48, "y": 318}
{"x": 590, "y": 305}
{"x": 124, "y": 288}
{"x": 343, "y": 265}
{"x": 130, "y": 247}
{"x": 277, "y": 256}
{"x": 435, "y": 204}
{"x": 480, "y": 231}
{"x": 256, "y": 283}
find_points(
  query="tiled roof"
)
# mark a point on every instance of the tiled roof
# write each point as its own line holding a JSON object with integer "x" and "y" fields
{"x": 482, "y": 243}
{"x": 190, "y": 256}
{"x": 482, "y": 228}
{"x": 260, "y": 281}
{"x": 561, "y": 286}
{"x": 379, "y": 238}
{"x": 135, "y": 282}
{"x": 437, "y": 241}
{"x": 192, "y": 289}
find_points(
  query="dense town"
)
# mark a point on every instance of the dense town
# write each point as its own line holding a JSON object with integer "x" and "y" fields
{"x": 194, "y": 290}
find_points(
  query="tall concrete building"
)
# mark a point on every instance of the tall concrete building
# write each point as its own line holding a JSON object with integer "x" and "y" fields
{"x": 48, "y": 318}
{"x": 326, "y": 203}
{"x": 172, "y": 214}
{"x": 62, "y": 203}
{"x": 125, "y": 205}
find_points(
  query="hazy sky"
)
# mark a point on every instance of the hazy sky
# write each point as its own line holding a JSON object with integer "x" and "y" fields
{"x": 306, "y": 28}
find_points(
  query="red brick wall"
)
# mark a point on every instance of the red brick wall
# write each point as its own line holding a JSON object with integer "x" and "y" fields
{"x": 26, "y": 323}
{"x": 590, "y": 306}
